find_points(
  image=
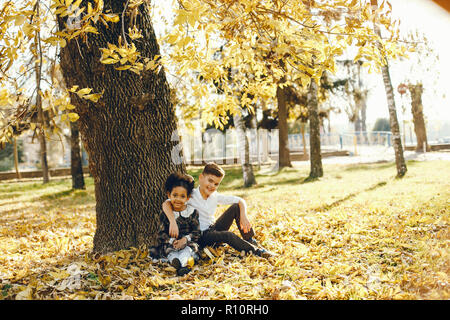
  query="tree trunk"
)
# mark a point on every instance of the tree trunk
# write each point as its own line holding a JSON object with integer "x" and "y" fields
{"x": 75, "y": 157}
{"x": 393, "y": 121}
{"x": 314, "y": 133}
{"x": 129, "y": 134}
{"x": 357, "y": 124}
{"x": 16, "y": 159}
{"x": 395, "y": 129}
{"x": 284, "y": 159}
{"x": 417, "y": 112}
{"x": 38, "y": 69}
{"x": 364, "y": 116}
{"x": 302, "y": 128}
{"x": 244, "y": 150}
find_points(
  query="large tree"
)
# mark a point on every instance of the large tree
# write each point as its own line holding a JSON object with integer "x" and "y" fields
{"x": 127, "y": 133}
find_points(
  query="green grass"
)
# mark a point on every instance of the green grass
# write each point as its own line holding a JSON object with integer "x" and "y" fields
{"x": 356, "y": 233}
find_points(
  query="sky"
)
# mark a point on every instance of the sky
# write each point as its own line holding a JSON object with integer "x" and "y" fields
{"x": 434, "y": 22}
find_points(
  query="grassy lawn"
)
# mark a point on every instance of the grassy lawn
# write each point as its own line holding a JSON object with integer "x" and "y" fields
{"x": 356, "y": 233}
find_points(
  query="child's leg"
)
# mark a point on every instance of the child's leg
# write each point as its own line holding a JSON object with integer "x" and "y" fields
{"x": 211, "y": 237}
{"x": 224, "y": 222}
{"x": 182, "y": 255}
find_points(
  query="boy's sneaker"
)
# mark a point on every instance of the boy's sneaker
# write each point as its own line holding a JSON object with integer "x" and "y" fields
{"x": 253, "y": 242}
{"x": 183, "y": 271}
{"x": 263, "y": 253}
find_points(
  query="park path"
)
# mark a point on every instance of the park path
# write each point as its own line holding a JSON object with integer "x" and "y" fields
{"x": 374, "y": 155}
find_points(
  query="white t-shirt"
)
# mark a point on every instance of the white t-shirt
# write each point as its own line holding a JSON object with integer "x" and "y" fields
{"x": 207, "y": 208}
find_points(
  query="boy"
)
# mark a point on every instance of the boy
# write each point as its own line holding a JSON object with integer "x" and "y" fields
{"x": 205, "y": 199}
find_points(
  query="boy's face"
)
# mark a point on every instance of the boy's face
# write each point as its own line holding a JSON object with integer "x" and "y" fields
{"x": 208, "y": 183}
{"x": 178, "y": 197}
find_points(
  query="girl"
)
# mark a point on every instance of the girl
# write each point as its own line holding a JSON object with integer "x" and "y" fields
{"x": 180, "y": 251}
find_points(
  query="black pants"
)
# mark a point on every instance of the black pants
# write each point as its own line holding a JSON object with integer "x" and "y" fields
{"x": 218, "y": 232}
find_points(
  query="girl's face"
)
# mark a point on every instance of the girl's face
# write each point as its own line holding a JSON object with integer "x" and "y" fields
{"x": 178, "y": 197}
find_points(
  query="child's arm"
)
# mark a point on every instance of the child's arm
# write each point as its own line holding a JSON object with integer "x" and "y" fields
{"x": 173, "y": 227}
{"x": 194, "y": 233}
{"x": 227, "y": 199}
{"x": 245, "y": 223}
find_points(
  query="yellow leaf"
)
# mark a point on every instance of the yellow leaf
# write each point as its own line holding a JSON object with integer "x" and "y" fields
{"x": 208, "y": 253}
{"x": 73, "y": 89}
{"x": 19, "y": 20}
{"x": 26, "y": 294}
{"x": 73, "y": 116}
{"x": 93, "y": 97}
{"x": 84, "y": 91}
{"x": 108, "y": 61}
{"x": 59, "y": 275}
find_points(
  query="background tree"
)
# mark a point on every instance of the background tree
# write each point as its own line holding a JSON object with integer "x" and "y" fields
{"x": 395, "y": 129}
{"x": 314, "y": 136}
{"x": 420, "y": 129}
{"x": 382, "y": 124}
{"x": 423, "y": 76}
{"x": 7, "y": 155}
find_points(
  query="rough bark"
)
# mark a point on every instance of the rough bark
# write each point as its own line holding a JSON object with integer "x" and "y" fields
{"x": 393, "y": 121}
{"x": 284, "y": 159}
{"x": 418, "y": 120}
{"x": 316, "y": 170}
{"x": 128, "y": 134}
{"x": 244, "y": 150}
{"x": 75, "y": 157}
{"x": 395, "y": 129}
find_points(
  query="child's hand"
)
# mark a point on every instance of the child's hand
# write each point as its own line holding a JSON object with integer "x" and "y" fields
{"x": 180, "y": 244}
{"x": 245, "y": 224}
{"x": 173, "y": 229}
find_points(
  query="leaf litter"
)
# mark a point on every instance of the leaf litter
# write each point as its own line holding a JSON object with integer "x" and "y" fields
{"x": 387, "y": 243}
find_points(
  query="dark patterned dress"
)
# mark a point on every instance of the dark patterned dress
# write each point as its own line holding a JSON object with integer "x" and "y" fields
{"x": 188, "y": 225}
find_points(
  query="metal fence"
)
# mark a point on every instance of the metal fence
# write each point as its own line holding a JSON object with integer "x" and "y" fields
{"x": 222, "y": 146}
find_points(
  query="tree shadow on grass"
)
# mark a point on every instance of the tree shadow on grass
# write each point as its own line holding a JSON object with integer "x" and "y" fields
{"x": 336, "y": 203}
{"x": 383, "y": 164}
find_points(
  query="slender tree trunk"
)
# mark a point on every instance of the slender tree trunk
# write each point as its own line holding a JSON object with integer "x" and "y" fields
{"x": 129, "y": 134}
{"x": 16, "y": 159}
{"x": 395, "y": 129}
{"x": 244, "y": 150}
{"x": 357, "y": 124}
{"x": 364, "y": 116}
{"x": 41, "y": 119}
{"x": 418, "y": 120}
{"x": 75, "y": 157}
{"x": 284, "y": 159}
{"x": 302, "y": 128}
{"x": 314, "y": 133}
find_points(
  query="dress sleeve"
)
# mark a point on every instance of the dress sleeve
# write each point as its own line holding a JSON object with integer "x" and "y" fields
{"x": 163, "y": 232}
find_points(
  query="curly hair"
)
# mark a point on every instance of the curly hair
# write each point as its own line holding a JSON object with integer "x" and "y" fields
{"x": 179, "y": 180}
